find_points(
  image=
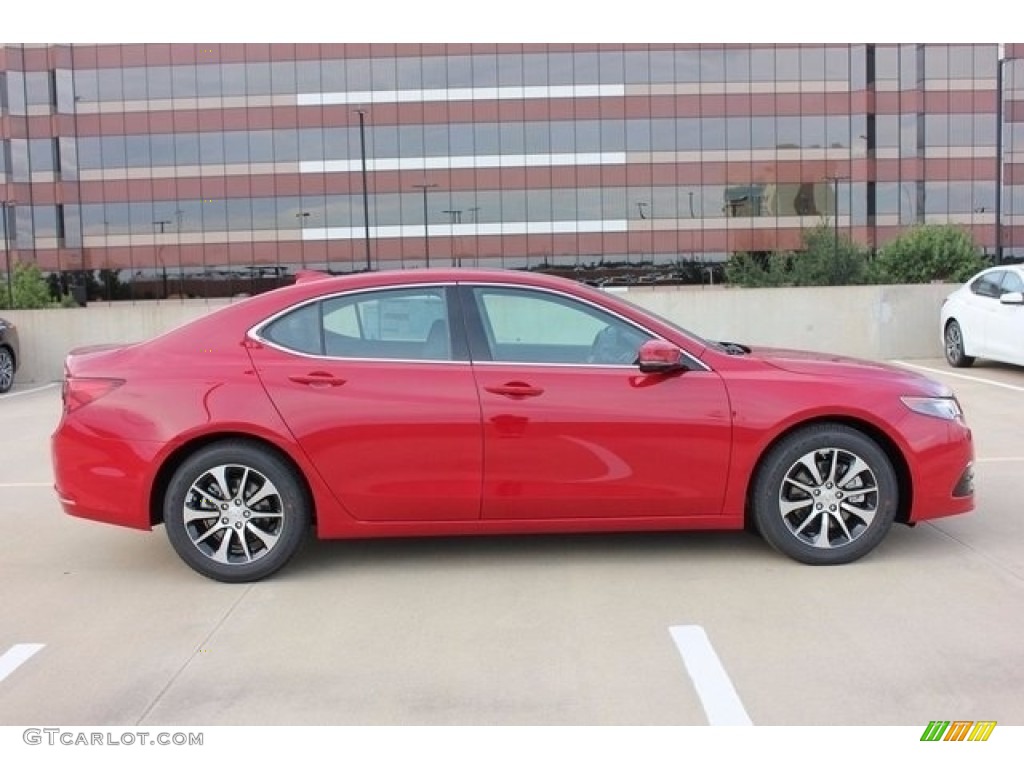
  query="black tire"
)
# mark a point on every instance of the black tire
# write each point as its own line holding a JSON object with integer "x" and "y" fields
{"x": 6, "y": 370}
{"x": 825, "y": 495}
{"x": 235, "y": 512}
{"x": 953, "y": 336}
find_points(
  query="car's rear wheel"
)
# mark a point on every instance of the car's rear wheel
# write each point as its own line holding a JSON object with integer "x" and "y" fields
{"x": 6, "y": 370}
{"x": 235, "y": 512}
{"x": 825, "y": 495}
{"x": 954, "y": 346}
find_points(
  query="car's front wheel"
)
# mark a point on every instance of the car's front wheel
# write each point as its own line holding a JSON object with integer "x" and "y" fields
{"x": 954, "y": 346}
{"x": 825, "y": 495}
{"x": 235, "y": 512}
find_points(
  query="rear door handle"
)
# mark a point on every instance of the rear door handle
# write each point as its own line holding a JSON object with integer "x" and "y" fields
{"x": 318, "y": 379}
{"x": 515, "y": 389}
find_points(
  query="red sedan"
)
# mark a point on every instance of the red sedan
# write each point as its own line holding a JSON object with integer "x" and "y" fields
{"x": 445, "y": 402}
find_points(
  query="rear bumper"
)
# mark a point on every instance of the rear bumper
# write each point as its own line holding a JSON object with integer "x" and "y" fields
{"x": 103, "y": 479}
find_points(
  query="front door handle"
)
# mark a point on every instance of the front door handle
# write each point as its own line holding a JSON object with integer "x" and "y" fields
{"x": 318, "y": 379}
{"x": 515, "y": 389}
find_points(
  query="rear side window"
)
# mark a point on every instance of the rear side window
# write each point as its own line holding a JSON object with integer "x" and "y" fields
{"x": 299, "y": 330}
{"x": 395, "y": 324}
{"x": 988, "y": 284}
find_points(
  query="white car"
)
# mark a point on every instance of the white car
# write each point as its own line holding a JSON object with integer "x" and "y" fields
{"x": 985, "y": 318}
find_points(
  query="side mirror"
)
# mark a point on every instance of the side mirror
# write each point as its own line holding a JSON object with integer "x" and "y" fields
{"x": 1012, "y": 297}
{"x": 657, "y": 356}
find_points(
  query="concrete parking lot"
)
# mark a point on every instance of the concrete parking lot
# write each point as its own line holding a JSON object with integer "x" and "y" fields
{"x": 105, "y": 626}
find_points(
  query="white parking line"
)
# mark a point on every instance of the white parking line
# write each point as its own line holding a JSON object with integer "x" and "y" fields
{"x": 965, "y": 377}
{"x": 16, "y": 656}
{"x": 721, "y": 703}
{"x": 27, "y": 485}
{"x": 30, "y": 391}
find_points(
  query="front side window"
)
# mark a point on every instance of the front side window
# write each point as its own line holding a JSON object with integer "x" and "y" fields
{"x": 526, "y": 326}
{"x": 1012, "y": 283}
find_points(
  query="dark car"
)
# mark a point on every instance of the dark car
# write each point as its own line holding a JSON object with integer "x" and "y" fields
{"x": 8, "y": 355}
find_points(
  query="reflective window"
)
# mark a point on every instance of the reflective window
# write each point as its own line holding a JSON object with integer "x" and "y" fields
{"x": 211, "y": 148}
{"x": 687, "y": 66}
{"x": 762, "y": 65}
{"x": 44, "y": 220}
{"x": 532, "y": 327}
{"x": 257, "y": 78}
{"x": 787, "y": 64}
{"x": 434, "y": 70}
{"x": 586, "y": 68}
{"x": 1012, "y": 283}
{"x": 638, "y": 135}
{"x": 435, "y": 140}
{"x": 961, "y": 62}
{"x": 486, "y": 139}
{"x": 307, "y": 76}
{"x": 186, "y": 149}
{"x": 936, "y": 62}
{"x": 988, "y": 284}
{"x": 299, "y": 330}
{"x": 67, "y": 150}
{"x": 232, "y": 77}
{"x": 183, "y": 82}
{"x": 712, "y": 65}
{"x": 887, "y": 62}
{"x": 86, "y": 84}
{"x": 208, "y": 80}
{"x": 688, "y": 134}
{"x": 485, "y": 71}
{"x": 737, "y": 65}
{"x": 636, "y": 67}
{"x": 42, "y": 155}
{"x": 936, "y": 197}
{"x": 662, "y": 67}
{"x": 612, "y": 66}
{"x": 537, "y": 138}
{"x": 400, "y": 324}
{"x": 510, "y": 69}
{"x": 887, "y": 198}
{"x": 535, "y": 69}
{"x": 712, "y": 133}
{"x": 158, "y": 82}
{"x": 282, "y": 77}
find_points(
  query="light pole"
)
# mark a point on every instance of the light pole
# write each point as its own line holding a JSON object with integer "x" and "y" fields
{"x": 8, "y": 205}
{"x": 159, "y": 249}
{"x": 455, "y": 217}
{"x": 426, "y": 226}
{"x": 835, "y": 223}
{"x": 1000, "y": 84}
{"x": 366, "y": 195}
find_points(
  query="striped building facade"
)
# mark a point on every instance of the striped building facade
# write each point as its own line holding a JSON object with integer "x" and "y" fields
{"x": 196, "y": 168}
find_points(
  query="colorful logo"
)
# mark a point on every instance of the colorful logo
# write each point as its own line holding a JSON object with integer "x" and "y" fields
{"x": 958, "y": 730}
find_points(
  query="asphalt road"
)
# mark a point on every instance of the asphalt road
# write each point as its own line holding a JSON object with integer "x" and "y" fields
{"x": 105, "y": 626}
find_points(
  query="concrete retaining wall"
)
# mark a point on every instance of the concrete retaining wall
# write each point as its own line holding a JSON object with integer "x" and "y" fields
{"x": 877, "y": 322}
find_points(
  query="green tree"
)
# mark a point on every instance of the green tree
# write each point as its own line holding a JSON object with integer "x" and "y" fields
{"x": 928, "y": 253}
{"x": 29, "y": 287}
{"x": 824, "y": 260}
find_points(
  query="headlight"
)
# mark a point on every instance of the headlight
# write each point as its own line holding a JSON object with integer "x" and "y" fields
{"x": 940, "y": 407}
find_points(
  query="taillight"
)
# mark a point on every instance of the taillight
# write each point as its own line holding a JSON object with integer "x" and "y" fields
{"x": 78, "y": 392}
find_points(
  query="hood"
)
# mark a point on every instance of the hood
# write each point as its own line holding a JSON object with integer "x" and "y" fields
{"x": 824, "y": 364}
